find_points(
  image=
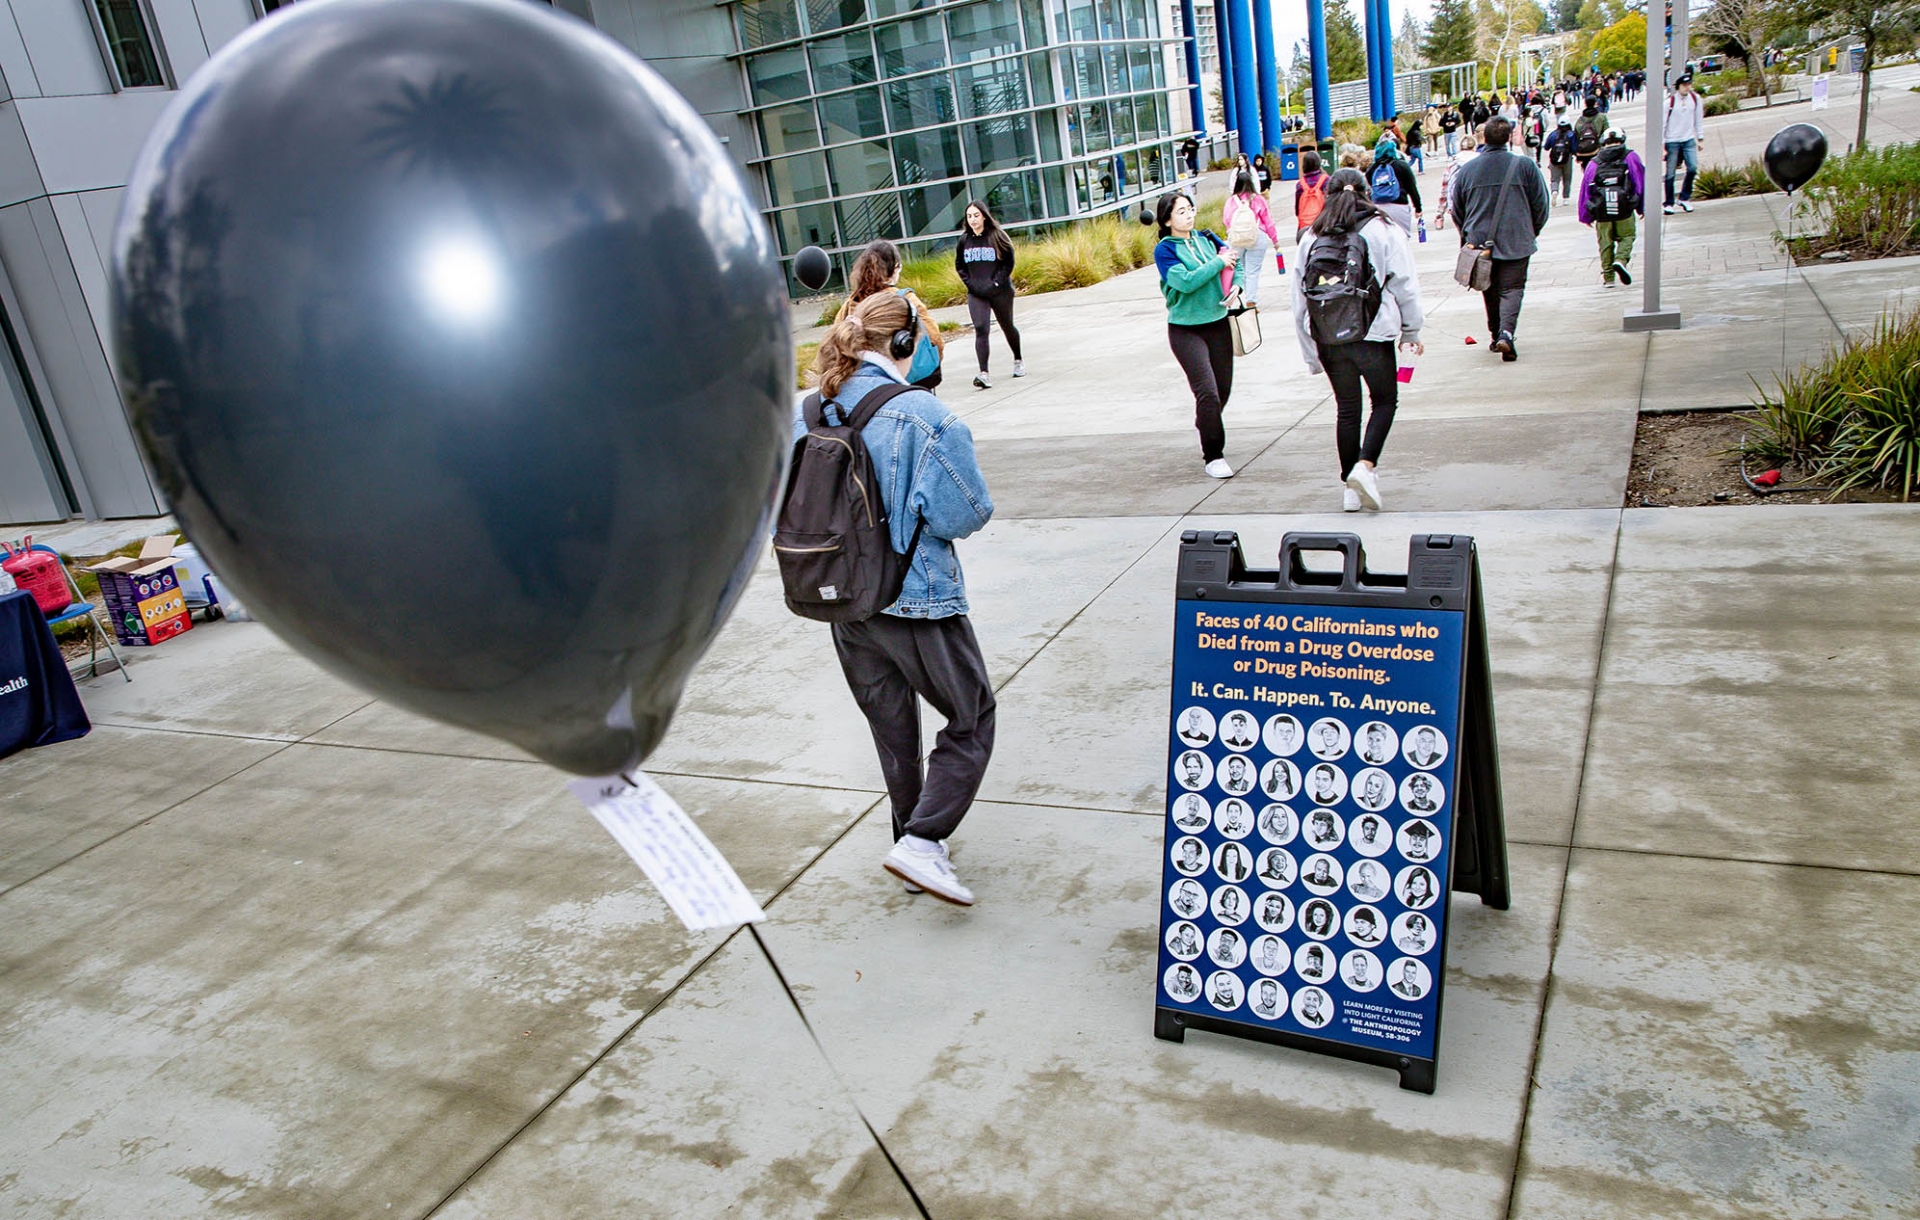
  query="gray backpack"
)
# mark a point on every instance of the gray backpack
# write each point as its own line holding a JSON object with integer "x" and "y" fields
{"x": 832, "y": 539}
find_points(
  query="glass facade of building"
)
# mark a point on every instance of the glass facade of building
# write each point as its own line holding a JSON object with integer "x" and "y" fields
{"x": 882, "y": 118}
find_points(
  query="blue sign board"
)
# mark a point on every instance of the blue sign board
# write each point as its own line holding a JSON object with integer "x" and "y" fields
{"x": 1312, "y": 755}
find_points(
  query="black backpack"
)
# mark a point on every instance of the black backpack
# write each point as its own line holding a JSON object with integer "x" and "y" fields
{"x": 832, "y": 539}
{"x": 1586, "y": 141}
{"x": 1557, "y": 155}
{"x": 1342, "y": 299}
{"x": 1610, "y": 196}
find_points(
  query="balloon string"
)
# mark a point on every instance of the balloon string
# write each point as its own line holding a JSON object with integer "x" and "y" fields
{"x": 1786, "y": 292}
{"x": 879, "y": 1143}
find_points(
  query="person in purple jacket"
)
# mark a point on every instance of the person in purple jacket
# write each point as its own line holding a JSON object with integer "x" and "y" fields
{"x": 1613, "y": 194}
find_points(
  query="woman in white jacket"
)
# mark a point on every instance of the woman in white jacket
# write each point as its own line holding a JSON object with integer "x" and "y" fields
{"x": 1393, "y": 286}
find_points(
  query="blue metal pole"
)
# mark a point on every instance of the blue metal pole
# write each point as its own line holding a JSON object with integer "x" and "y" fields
{"x": 1223, "y": 38}
{"x": 1198, "y": 102}
{"x": 1388, "y": 106}
{"x": 1317, "y": 52}
{"x": 1245, "y": 94}
{"x": 1370, "y": 20}
{"x": 1269, "y": 72}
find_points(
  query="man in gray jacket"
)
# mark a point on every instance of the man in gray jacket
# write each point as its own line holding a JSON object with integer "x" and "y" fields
{"x": 1499, "y": 203}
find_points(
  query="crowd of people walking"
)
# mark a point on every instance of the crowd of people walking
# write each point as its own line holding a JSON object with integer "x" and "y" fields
{"x": 1505, "y": 163}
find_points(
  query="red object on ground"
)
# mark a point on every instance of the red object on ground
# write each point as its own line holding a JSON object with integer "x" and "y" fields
{"x": 1767, "y": 478}
{"x": 39, "y": 573}
{"x": 1471, "y": 340}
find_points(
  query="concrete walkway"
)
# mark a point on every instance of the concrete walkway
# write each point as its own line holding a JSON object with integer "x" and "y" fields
{"x": 270, "y": 948}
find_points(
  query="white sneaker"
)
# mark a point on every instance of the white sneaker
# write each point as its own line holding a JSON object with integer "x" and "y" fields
{"x": 1218, "y": 469}
{"x": 1685, "y": 206}
{"x": 1668, "y": 210}
{"x": 1366, "y": 486}
{"x": 1019, "y": 368}
{"x": 924, "y": 863}
{"x": 981, "y": 383}
{"x": 1349, "y": 500}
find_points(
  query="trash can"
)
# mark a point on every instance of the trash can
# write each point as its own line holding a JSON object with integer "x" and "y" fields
{"x": 1289, "y": 162}
{"x": 1329, "y": 155}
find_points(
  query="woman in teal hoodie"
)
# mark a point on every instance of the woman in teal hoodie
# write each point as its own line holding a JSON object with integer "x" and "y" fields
{"x": 1196, "y": 271}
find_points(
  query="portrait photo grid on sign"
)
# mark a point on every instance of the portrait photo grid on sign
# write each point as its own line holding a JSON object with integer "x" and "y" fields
{"x": 1305, "y": 868}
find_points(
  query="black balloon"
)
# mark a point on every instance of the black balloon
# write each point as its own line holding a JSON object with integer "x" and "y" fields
{"x": 460, "y": 350}
{"x": 1795, "y": 155}
{"x": 811, "y": 267}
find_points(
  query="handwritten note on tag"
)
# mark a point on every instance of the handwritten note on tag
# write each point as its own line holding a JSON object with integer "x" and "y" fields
{"x": 695, "y": 879}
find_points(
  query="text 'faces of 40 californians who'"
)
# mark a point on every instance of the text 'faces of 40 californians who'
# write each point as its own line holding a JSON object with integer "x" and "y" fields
{"x": 1261, "y": 853}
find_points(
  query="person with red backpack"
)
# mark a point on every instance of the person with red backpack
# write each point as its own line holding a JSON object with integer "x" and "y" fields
{"x": 1355, "y": 295}
{"x": 876, "y": 456}
{"x": 1310, "y": 193}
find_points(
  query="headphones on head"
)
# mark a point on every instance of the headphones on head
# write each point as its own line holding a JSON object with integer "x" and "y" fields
{"x": 903, "y": 342}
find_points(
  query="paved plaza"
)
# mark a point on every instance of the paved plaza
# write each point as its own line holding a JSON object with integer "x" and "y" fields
{"x": 270, "y": 948}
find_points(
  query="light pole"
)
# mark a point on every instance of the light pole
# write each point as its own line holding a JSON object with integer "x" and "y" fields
{"x": 1651, "y": 315}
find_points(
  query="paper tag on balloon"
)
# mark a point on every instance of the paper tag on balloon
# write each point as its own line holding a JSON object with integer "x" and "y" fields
{"x": 690, "y": 873}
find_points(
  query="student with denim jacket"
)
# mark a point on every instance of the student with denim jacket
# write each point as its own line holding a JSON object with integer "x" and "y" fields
{"x": 922, "y": 646}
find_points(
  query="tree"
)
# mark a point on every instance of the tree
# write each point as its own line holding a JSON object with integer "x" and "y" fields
{"x": 1300, "y": 73}
{"x": 1346, "y": 50}
{"x": 1406, "y": 44}
{"x": 1503, "y": 23}
{"x": 1744, "y": 28}
{"x": 1623, "y": 44}
{"x": 1452, "y": 34}
{"x": 1566, "y": 15}
{"x": 1872, "y": 21}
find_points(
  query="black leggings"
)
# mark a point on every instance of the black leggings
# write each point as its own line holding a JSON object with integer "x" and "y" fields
{"x": 1000, "y": 305}
{"x": 1205, "y": 354}
{"x": 1347, "y": 364}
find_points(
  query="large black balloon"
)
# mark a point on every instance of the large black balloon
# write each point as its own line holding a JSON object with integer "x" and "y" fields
{"x": 811, "y": 267}
{"x": 461, "y": 351}
{"x": 1795, "y": 155}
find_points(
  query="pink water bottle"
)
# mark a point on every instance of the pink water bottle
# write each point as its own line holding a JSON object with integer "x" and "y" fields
{"x": 1404, "y": 370}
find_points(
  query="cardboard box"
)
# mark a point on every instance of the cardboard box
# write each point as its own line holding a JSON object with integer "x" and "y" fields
{"x": 143, "y": 594}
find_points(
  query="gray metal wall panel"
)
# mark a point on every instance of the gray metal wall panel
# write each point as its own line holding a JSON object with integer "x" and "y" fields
{"x": 222, "y": 21}
{"x": 615, "y": 18}
{"x": 19, "y": 172}
{"x": 178, "y": 31}
{"x": 103, "y": 213}
{"x": 100, "y": 211}
{"x": 671, "y": 29}
{"x": 87, "y": 143}
{"x": 88, "y": 267}
{"x": 712, "y": 85}
{"x": 61, "y": 44}
{"x": 29, "y": 491}
{"x": 77, "y": 383}
{"x": 14, "y": 62}
{"x": 686, "y": 41}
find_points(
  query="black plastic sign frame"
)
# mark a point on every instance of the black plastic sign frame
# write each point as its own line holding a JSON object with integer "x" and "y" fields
{"x": 1333, "y": 775}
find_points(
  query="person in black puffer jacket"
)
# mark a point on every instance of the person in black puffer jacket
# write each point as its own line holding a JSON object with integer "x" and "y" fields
{"x": 984, "y": 261}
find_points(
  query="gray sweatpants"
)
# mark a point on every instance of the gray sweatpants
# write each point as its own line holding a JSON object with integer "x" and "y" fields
{"x": 891, "y": 664}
